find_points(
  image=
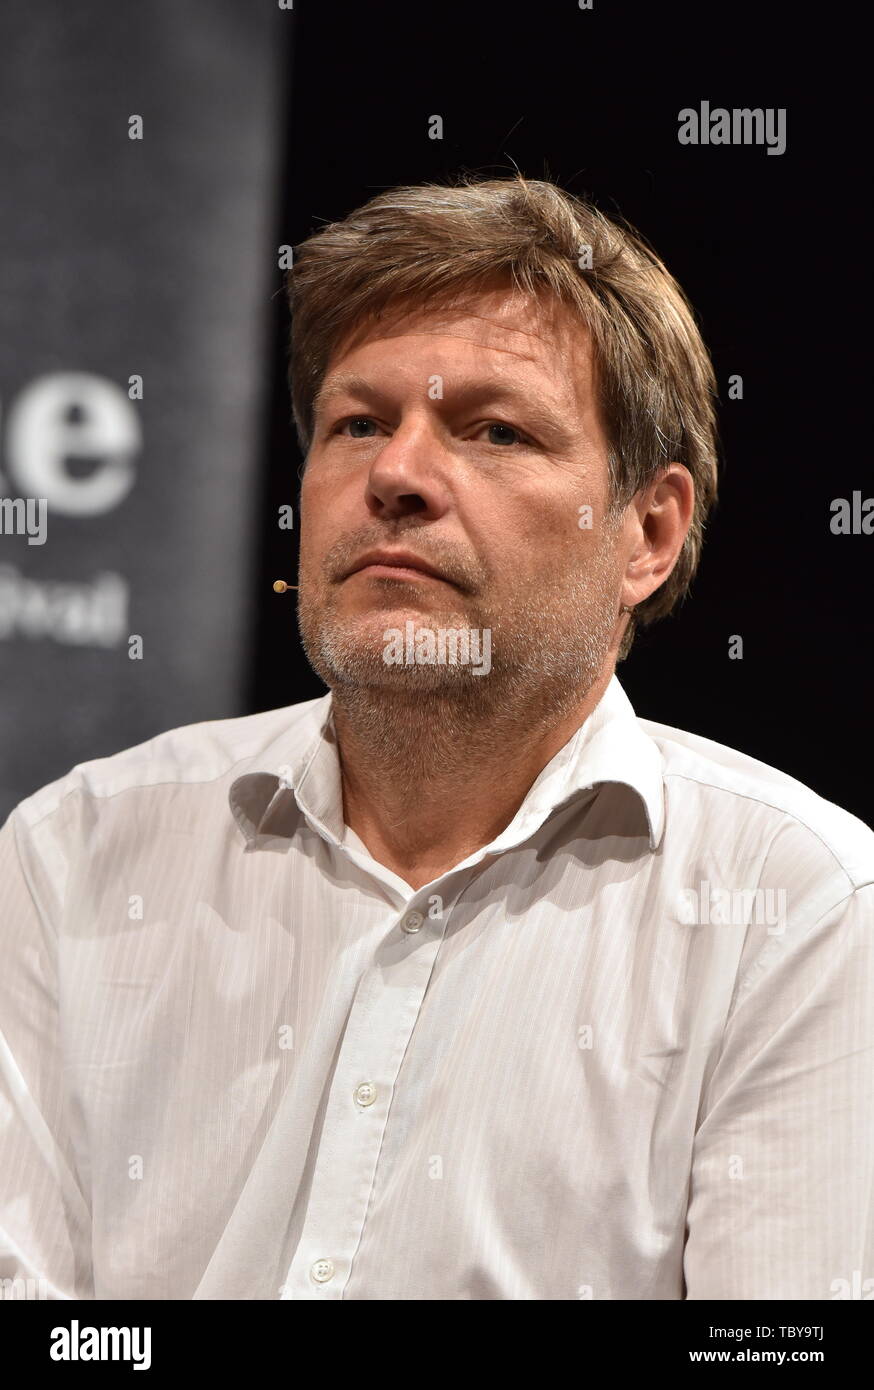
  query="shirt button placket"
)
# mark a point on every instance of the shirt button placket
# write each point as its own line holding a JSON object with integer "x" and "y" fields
{"x": 377, "y": 1035}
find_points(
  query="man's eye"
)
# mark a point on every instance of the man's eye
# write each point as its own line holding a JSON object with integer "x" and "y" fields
{"x": 359, "y": 427}
{"x": 498, "y": 434}
{"x": 354, "y": 421}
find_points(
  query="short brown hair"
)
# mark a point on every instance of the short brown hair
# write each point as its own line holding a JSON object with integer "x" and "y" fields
{"x": 657, "y": 388}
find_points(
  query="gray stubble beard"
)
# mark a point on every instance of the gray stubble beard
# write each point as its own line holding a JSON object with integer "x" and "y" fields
{"x": 413, "y": 717}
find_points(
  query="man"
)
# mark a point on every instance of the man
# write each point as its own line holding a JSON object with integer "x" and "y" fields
{"x": 460, "y": 982}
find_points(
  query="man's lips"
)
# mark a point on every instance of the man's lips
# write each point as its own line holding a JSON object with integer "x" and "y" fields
{"x": 395, "y": 564}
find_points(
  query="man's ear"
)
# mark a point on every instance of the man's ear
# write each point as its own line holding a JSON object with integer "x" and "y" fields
{"x": 658, "y": 517}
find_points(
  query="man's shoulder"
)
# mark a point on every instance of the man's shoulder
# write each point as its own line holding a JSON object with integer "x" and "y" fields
{"x": 199, "y": 752}
{"x": 739, "y": 787}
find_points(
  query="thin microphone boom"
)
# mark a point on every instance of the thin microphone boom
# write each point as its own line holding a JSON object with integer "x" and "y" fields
{"x": 280, "y": 586}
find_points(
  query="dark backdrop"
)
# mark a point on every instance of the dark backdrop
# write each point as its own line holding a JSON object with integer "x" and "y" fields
{"x": 261, "y": 124}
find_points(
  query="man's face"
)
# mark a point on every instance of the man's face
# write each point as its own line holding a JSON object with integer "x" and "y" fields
{"x": 469, "y": 438}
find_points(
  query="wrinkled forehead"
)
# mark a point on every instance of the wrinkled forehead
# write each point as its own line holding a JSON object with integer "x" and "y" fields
{"x": 501, "y": 316}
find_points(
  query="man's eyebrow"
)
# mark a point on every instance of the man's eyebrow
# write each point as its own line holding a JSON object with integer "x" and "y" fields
{"x": 469, "y": 393}
{"x": 343, "y": 384}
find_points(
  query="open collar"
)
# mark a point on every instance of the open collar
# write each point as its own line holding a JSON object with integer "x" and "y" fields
{"x": 298, "y": 773}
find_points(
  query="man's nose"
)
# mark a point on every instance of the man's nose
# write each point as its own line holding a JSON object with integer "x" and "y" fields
{"x": 409, "y": 474}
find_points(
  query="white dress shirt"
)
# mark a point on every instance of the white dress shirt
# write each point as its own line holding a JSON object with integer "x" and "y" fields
{"x": 622, "y": 1052}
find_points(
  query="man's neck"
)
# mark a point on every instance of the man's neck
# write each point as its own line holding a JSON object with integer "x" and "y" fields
{"x": 427, "y": 782}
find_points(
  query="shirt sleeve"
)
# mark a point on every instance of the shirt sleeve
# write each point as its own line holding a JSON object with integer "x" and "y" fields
{"x": 44, "y": 1218}
{"x": 782, "y": 1182}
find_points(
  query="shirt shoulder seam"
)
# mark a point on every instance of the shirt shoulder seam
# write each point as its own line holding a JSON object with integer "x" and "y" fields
{"x": 99, "y": 795}
{"x": 772, "y": 806}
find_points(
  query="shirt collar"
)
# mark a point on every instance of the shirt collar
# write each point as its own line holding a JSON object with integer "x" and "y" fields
{"x": 299, "y": 774}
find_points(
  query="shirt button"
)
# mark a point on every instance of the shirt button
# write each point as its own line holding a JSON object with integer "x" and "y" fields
{"x": 412, "y": 921}
{"x": 365, "y": 1094}
{"x": 322, "y": 1271}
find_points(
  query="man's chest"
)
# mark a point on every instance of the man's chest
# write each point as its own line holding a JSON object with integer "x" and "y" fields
{"x": 490, "y": 1093}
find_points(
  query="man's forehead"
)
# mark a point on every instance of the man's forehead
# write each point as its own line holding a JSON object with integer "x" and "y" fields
{"x": 531, "y": 328}
{"x": 506, "y": 309}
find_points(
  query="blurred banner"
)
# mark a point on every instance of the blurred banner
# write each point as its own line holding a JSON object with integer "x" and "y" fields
{"x": 139, "y": 161}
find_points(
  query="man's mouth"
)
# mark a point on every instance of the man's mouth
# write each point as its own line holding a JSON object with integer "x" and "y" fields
{"x": 395, "y": 564}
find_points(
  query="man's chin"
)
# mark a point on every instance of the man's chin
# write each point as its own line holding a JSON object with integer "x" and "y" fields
{"x": 346, "y": 665}
{"x": 385, "y": 652}
{"x": 374, "y": 630}
{"x": 375, "y": 617}
{"x": 415, "y": 684}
